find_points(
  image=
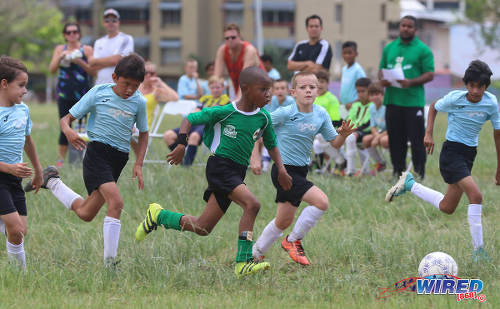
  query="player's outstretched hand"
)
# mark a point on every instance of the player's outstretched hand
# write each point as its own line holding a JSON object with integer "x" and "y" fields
{"x": 176, "y": 156}
{"x": 429, "y": 144}
{"x": 284, "y": 180}
{"x": 346, "y": 128}
{"x": 137, "y": 172}
{"x": 75, "y": 140}
{"x": 37, "y": 181}
{"x": 20, "y": 170}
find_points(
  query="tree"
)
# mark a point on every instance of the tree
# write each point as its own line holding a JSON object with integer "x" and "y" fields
{"x": 486, "y": 13}
{"x": 31, "y": 29}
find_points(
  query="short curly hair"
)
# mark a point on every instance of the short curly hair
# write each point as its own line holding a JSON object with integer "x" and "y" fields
{"x": 10, "y": 68}
{"x": 478, "y": 71}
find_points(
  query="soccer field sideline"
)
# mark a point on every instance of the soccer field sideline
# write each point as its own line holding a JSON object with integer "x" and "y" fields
{"x": 360, "y": 245}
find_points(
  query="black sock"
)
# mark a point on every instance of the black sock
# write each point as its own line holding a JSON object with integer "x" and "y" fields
{"x": 190, "y": 155}
{"x": 172, "y": 147}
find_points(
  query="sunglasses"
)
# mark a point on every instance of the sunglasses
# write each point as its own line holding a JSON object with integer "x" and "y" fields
{"x": 110, "y": 20}
{"x": 150, "y": 73}
{"x": 72, "y": 32}
{"x": 232, "y": 37}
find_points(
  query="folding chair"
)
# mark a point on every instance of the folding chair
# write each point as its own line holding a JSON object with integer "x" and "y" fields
{"x": 181, "y": 107}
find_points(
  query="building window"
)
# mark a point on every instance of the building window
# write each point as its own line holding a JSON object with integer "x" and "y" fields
{"x": 143, "y": 51}
{"x": 283, "y": 18}
{"x": 170, "y": 51}
{"x": 83, "y": 16}
{"x": 134, "y": 15}
{"x": 382, "y": 11}
{"x": 338, "y": 13}
{"x": 170, "y": 13}
{"x": 338, "y": 50}
{"x": 233, "y": 12}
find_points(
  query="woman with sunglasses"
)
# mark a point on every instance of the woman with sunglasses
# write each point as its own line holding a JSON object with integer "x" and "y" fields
{"x": 74, "y": 76}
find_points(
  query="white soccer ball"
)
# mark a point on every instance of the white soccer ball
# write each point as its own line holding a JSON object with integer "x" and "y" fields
{"x": 437, "y": 263}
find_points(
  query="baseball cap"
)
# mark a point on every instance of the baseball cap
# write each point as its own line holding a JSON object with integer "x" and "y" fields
{"x": 111, "y": 12}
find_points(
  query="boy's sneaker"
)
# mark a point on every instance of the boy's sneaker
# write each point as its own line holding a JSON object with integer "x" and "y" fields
{"x": 403, "y": 185}
{"x": 48, "y": 173}
{"x": 479, "y": 255}
{"x": 250, "y": 267}
{"x": 379, "y": 167}
{"x": 149, "y": 223}
{"x": 295, "y": 251}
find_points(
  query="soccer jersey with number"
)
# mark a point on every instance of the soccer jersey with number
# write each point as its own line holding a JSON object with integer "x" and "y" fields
{"x": 231, "y": 133}
{"x": 15, "y": 125}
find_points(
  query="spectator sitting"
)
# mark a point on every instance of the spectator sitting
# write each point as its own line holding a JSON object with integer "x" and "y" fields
{"x": 189, "y": 87}
{"x": 378, "y": 128}
{"x": 196, "y": 132}
{"x": 155, "y": 91}
{"x": 267, "y": 61}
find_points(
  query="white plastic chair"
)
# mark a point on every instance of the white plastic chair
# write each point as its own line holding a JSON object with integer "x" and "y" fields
{"x": 181, "y": 107}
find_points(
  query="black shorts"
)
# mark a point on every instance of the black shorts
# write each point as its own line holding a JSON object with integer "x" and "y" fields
{"x": 12, "y": 195}
{"x": 223, "y": 176}
{"x": 300, "y": 184}
{"x": 455, "y": 161}
{"x": 361, "y": 134}
{"x": 102, "y": 164}
{"x": 198, "y": 129}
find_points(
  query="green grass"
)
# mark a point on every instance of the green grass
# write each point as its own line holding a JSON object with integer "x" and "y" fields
{"x": 360, "y": 245}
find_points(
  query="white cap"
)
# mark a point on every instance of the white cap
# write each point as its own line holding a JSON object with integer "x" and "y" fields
{"x": 111, "y": 12}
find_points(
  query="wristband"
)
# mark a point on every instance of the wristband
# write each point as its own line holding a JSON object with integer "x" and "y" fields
{"x": 182, "y": 139}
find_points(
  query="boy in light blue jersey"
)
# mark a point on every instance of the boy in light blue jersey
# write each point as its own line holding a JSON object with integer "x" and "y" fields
{"x": 296, "y": 126}
{"x": 15, "y": 134}
{"x": 467, "y": 112}
{"x": 189, "y": 85}
{"x": 351, "y": 72}
{"x": 113, "y": 108}
{"x": 378, "y": 135}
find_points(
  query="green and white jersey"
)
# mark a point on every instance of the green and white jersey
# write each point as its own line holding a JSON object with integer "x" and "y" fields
{"x": 231, "y": 133}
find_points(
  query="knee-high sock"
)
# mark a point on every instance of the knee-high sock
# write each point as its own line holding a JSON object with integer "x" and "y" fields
{"x": 190, "y": 155}
{"x": 350, "y": 153}
{"x": 62, "y": 192}
{"x": 16, "y": 253}
{"x": 335, "y": 154}
{"x": 307, "y": 219}
{"x": 427, "y": 194}
{"x": 365, "y": 161}
{"x": 373, "y": 152}
{"x": 475, "y": 226}
{"x": 269, "y": 235}
{"x": 111, "y": 234}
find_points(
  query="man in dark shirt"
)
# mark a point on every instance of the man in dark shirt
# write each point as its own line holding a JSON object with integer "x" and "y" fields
{"x": 314, "y": 54}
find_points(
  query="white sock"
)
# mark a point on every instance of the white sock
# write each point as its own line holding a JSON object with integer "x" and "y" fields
{"x": 475, "y": 226}
{"x": 111, "y": 235}
{"x": 365, "y": 161}
{"x": 307, "y": 219}
{"x": 350, "y": 153}
{"x": 16, "y": 253}
{"x": 373, "y": 152}
{"x": 335, "y": 154}
{"x": 62, "y": 192}
{"x": 427, "y": 194}
{"x": 269, "y": 235}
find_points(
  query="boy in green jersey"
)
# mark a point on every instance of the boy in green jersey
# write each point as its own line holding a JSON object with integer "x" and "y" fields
{"x": 230, "y": 133}
{"x": 359, "y": 114}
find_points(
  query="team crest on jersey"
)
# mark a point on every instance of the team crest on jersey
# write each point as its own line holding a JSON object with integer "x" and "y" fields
{"x": 20, "y": 123}
{"x": 230, "y": 131}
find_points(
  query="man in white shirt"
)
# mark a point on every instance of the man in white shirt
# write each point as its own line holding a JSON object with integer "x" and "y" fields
{"x": 109, "y": 49}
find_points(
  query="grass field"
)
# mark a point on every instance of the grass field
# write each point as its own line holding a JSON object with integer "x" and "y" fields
{"x": 360, "y": 245}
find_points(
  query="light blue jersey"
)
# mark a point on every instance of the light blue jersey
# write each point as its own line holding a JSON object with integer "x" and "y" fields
{"x": 111, "y": 117}
{"x": 274, "y": 74}
{"x": 465, "y": 119}
{"x": 348, "y": 93}
{"x": 295, "y": 132}
{"x": 186, "y": 86}
{"x": 377, "y": 117}
{"x": 15, "y": 125}
{"x": 271, "y": 107}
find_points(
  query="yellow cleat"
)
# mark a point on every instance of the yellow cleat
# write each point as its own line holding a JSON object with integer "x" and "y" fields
{"x": 149, "y": 223}
{"x": 250, "y": 267}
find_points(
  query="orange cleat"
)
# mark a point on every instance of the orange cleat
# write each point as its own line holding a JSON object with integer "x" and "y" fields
{"x": 295, "y": 251}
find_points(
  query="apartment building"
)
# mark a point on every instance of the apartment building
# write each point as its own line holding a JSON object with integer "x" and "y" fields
{"x": 169, "y": 31}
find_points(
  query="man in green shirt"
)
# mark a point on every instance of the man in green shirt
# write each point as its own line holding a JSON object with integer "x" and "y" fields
{"x": 405, "y": 104}
{"x": 230, "y": 133}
